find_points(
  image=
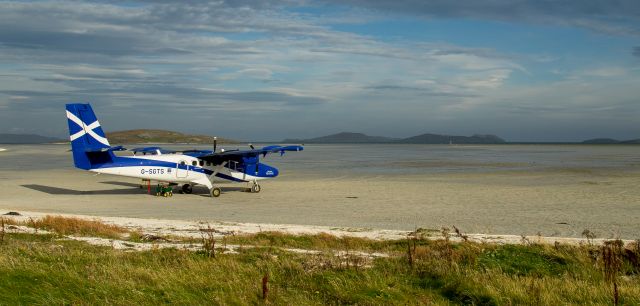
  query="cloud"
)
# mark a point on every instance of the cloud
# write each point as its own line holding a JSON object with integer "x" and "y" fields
{"x": 264, "y": 68}
{"x": 601, "y": 72}
{"x": 428, "y": 92}
{"x": 619, "y": 18}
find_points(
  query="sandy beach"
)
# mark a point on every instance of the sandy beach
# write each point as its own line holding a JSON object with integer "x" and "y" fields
{"x": 553, "y": 202}
{"x": 194, "y": 229}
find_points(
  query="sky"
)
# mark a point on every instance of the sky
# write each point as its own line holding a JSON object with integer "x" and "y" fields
{"x": 525, "y": 70}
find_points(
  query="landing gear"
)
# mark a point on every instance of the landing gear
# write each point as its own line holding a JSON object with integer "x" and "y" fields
{"x": 255, "y": 188}
{"x": 186, "y": 188}
{"x": 215, "y": 192}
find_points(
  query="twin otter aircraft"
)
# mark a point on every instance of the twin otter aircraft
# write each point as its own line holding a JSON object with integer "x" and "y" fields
{"x": 92, "y": 151}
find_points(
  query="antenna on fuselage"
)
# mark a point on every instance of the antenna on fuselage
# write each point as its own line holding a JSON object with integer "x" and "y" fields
{"x": 215, "y": 144}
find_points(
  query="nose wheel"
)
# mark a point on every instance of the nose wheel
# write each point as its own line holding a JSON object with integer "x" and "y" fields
{"x": 255, "y": 188}
{"x": 215, "y": 192}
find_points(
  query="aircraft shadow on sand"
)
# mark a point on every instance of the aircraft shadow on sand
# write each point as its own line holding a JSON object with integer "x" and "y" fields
{"x": 64, "y": 191}
{"x": 125, "y": 184}
{"x": 134, "y": 189}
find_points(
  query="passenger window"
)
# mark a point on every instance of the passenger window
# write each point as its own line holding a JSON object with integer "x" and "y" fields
{"x": 208, "y": 163}
{"x": 201, "y": 163}
{"x": 183, "y": 163}
{"x": 194, "y": 163}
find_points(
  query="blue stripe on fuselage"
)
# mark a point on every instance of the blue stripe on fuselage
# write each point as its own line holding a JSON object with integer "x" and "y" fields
{"x": 140, "y": 162}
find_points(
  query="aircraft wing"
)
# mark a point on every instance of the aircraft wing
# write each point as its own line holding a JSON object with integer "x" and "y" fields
{"x": 220, "y": 157}
{"x": 196, "y": 153}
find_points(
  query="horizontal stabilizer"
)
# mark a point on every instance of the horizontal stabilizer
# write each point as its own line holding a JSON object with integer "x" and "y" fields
{"x": 101, "y": 149}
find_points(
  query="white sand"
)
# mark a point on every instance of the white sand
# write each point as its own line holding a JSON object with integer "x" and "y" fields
{"x": 188, "y": 229}
{"x": 552, "y": 203}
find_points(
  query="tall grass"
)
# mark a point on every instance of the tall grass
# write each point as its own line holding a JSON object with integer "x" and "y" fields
{"x": 41, "y": 269}
{"x": 44, "y": 269}
{"x": 74, "y": 226}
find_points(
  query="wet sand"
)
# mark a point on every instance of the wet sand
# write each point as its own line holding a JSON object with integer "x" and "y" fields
{"x": 555, "y": 202}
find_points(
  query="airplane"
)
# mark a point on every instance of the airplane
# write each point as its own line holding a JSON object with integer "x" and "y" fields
{"x": 92, "y": 151}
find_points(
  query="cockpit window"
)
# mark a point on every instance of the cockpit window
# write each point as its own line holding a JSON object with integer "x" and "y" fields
{"x": 194, "y": 163}
{"x": 201, "y": 163}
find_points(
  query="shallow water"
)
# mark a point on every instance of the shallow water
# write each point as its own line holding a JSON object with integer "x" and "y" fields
{"x": 379, "y": 159}
{"x": 557, "y": 190}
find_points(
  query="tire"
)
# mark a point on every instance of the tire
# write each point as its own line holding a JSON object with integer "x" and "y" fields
{"x": 215, "y": 192}
{"x": 186, "y": 188}
{"x": 255, "y": 188}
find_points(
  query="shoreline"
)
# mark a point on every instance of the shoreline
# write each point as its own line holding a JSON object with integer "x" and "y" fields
{"x": 193, "y": 229}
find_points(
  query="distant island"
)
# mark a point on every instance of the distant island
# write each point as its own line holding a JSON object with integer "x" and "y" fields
{"x": 345, "y": 137}
{"x": 161, "y": 136}
{"x": 26, "y": 139}
{"x": 142, "y": 136}
{"x": 611, "y": 141}
{"x": 348, "y": 137}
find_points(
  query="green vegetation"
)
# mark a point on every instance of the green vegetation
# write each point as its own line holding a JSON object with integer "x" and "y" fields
{"x": 73, "y": 226}
{"x": 48, "y": 269}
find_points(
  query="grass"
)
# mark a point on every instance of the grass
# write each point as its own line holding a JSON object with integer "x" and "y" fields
{"x": 45, "y": 269}
{"x": 73, "y": 226}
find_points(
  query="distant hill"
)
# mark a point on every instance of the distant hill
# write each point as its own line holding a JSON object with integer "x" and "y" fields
{"x": 26, "y": 139}
{"x": 444, "y": 139}
{"x": 347, "y": 137}
{"x": 161, "y": 136}
{"x": 344, "y": 137}
{"x": 610, "y": 141}
{"x": 601, "y": 141}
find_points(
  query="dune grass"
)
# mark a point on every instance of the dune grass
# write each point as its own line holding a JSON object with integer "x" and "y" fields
{"x": 73, "y": 226}
{"x": 45, "y": 269}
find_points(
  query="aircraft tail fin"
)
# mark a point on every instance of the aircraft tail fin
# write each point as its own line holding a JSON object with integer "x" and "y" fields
{"x": 89, "y": 144}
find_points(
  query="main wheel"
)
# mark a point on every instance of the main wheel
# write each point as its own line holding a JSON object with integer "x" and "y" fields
{"x": 186, "y": 188}
{"x": 215, "y": 192}
{"x": 255, "y": 188}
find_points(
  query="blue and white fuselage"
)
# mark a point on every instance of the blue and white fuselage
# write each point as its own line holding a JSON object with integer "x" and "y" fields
{"x": 92, "y": 152}
{"x": 180, "y": 168}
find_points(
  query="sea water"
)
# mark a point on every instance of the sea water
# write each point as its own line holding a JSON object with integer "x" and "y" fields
{"x": 381, "y": 159}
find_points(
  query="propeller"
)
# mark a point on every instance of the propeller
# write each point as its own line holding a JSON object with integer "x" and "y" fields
{"x": 215, "y": 144}
{"x": 251, "y": 146}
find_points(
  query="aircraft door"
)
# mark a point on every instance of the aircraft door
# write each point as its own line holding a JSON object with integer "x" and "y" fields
{"x": 182, "y": 169}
